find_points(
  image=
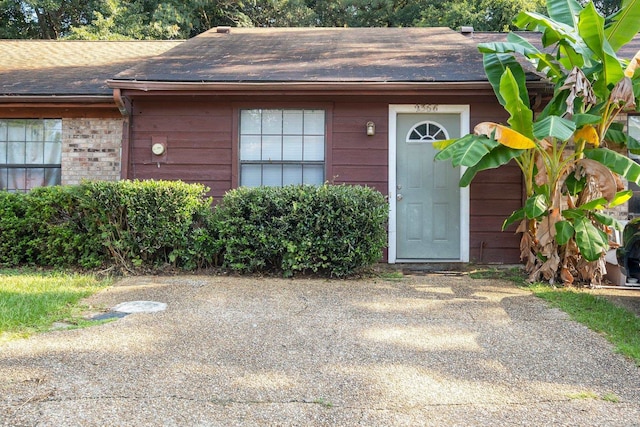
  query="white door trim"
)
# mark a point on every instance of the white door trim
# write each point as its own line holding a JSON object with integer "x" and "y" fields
{"x": 394, "y": 110}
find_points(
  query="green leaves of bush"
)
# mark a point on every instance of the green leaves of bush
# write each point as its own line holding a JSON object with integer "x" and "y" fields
{"x": 329, "y": 229}
{"x": 128, "y": 224}
{"x": 135, "y": 225}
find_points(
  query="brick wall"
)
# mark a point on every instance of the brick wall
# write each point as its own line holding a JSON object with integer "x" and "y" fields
{"x": 91, "y": 149}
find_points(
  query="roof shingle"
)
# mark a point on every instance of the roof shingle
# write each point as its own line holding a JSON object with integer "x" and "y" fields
{"x": 45, "y": 67}
{"x": 317, "y": 55}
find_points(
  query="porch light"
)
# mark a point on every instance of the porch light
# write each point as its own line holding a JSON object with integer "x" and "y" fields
{"x": 371, "y": 128}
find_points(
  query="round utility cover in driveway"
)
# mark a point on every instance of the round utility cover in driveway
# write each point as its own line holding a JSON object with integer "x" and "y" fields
{"x": 140, "y": 307}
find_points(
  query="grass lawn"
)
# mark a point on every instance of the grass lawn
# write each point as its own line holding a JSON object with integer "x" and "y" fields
{"x": 31, "y": 301}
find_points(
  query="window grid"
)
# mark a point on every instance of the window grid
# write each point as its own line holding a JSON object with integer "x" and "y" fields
{"x": 305, "y": 168}
{"x": 427, "y": 131}
{"x": 30, "y": 153}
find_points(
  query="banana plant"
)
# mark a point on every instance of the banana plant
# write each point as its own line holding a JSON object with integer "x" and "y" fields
{"x": 570, "y": 175}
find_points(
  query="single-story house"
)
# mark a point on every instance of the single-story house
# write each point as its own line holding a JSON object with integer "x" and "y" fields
{"x": 276, "y": 106}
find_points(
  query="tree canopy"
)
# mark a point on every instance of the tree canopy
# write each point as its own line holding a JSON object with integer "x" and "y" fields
{"x": 178, "y": 19}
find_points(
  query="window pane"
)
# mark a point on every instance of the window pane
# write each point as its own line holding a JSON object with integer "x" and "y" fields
{"x": 271, "y": 148}
{"x": 314, "y": 122}
{"x": 291, "y": 174}
{"x": 3, "y": 130}
{"x": 16, "y": 179}
{"x": 272, "y": 175}
{"x": 16, "y": 130}
{"x": 52, "y": 153}
{"x": 34, "y": 153}
{"x": 251, "y": 175}
{"x": 250, "y": 122}
{"x": 272, "y": 122}
{"x": 292, "y": 148}
{"x": 35, "y": 178}
{"x": 634, "y": 126}
{"x": 52, "y": 176}
{"x": 250, "y": 147}
{"x": 15, "y": 153}
{"x": 3, "y": 152}
{"x": 35, "y": 131}
{"x": 53, "y": 130}
{"x": 313, "y": 174}
{"x": 275, "y": 137}
{"x": 313, "y": 148}
{"x": 292, "y": 122}
{"x": 4, "y": 179}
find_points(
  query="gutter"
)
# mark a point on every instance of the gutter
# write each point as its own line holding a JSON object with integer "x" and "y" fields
{"x": 323, "y": 87}
{"x": 57, "y": 101}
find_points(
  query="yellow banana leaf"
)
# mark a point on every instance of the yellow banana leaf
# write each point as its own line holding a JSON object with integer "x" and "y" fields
{"x": 504, "y": 135}
{"x": 587, "y": 133}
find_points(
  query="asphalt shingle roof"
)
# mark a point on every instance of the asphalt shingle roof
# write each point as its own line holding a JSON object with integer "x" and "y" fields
{"x": 317, "y": 55}
{"x": 46, "y": 67}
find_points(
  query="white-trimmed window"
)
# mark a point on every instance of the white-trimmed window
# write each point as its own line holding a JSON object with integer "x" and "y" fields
{"x": 281, "y": 147}
{"x": 30, "y": 153}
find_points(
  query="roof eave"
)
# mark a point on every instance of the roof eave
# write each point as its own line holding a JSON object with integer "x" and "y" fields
{"x": 57, "y": 99}
{"x": 323, "y": 87}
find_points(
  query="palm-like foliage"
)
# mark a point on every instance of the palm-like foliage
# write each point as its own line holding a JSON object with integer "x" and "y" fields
{"x": 569, "y": 174}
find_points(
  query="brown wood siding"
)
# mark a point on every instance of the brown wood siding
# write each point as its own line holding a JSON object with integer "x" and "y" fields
{"x": 494, "y": 195}
{"x": 358, "y": 158}
{"x": 199, "y": 147}
{"x": 202, "y": 147}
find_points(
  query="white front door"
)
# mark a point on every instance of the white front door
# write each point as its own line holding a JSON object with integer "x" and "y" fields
{"x": 428, "y": 208}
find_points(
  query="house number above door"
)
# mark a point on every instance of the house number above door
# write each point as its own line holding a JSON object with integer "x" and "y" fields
{"x": 426, "y": 108}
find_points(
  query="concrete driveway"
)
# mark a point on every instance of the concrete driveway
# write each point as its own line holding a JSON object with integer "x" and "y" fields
{"x": 424, "y": 350}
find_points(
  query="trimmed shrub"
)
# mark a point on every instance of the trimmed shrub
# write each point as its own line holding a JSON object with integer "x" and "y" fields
{"x": 330, "y": 229}
{"x": 151, "y": 223}
{"x": 58, "y": 230}
{"x": 128, "y": 224}
{"x": 13, "y": 232}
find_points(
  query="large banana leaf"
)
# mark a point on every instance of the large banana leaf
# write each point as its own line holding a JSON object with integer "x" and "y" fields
{"x": 591, "y": 29}
{"x": 624, "y": 25}
{"x": 501, "y": 155}
{"x": 554, "y": 126}
{"x": 521, "y": 119}
{"x": 618, "y": 163}
{"x": 515, "y": 43}
{"x": 591, "y": 241}
{"x": 553, "y": 31}
{"x": 557, "y": 106}
{"x": 564, "y": 232}
{"x": 564, "y": 11}
{"x": 535, "y": 206}
{"x": 621, "y": 137}
{"x": 495, "y": 64}
{"x": 467, "y": 151}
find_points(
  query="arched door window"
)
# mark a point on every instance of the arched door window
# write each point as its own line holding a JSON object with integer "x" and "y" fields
{"x": 427, "y": 132}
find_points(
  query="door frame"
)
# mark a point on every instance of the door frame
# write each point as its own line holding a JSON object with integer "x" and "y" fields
{"x": 394, "y": 110}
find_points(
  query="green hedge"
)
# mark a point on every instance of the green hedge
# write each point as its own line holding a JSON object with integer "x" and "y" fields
{"x": 127, "y": 224}
{"x": 327, "y": 229}
{"x": 137, "y": 225}
{"x": 151, "y": 223}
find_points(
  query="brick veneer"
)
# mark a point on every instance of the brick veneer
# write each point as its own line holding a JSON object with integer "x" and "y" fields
{"x": 91, "y": 149}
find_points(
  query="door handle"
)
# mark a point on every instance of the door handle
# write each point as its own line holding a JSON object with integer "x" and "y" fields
{"x": 399, "y": 197}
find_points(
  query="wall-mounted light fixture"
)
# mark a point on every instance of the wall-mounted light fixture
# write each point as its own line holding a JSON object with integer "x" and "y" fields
{"x": 371, "y": 128}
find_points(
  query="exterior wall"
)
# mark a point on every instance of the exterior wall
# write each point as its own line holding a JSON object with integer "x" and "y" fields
{"x": 201, "y": 146}
{"x": 91, "y": 149}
